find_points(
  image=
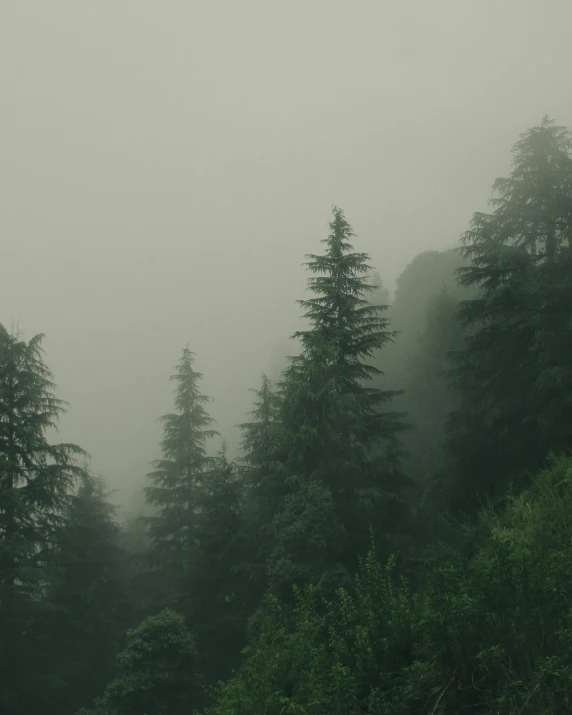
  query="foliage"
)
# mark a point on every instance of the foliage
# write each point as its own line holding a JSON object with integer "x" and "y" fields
{"x": 221, "y": 603}
{"x": 307, "y": 534}
{"x": 261, "y": 473}
{"x": 513, "y": 375}
{"x": 157, "y": 671}
{"x": 490, "y": 630}
{"x": 35, "y": 479}
{"x": 265, "y": 551}
{"x": 335, "y": 428}
{"x": 176, "y": 481}
{"x": 87, "y": 595}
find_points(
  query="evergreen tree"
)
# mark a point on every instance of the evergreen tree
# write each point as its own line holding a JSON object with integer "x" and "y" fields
{"x": 35, "y": 480}
{"x": 513, "y": 374}
{"x": 158, "y": 671}
{"x": 176, "y": 482}
{"x": 264, "y": 489}
{"x": 334, "y": 429}
{"x": 306, "y": 537}
{"x": 263, "y": 494}
{"x": 220, "y": 619}
{"x": 259, "y": 435}
{"x": 88, "y": 596}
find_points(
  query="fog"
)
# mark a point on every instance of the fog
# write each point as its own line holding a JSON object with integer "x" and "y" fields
{"x": 165, "y": 166}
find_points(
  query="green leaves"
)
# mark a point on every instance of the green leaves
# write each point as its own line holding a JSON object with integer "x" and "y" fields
{"x": 486, "y": 633}
{"x": 157, "y": 671}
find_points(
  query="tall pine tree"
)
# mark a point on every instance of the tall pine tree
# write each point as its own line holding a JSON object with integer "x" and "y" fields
{"x": 335, "y": 428}
{"x": 176, "y": 482}
{"x": 219, "y": 618}
{"x": 260, "y": 466}
{"x": 514, "y": 374}
{"x": 35, "y": 480}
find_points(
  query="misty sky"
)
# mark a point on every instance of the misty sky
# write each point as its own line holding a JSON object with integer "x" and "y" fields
{"x": 166, "y": 164}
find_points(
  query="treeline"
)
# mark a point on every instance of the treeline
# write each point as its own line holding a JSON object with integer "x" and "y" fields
{"x": 381, "y": 546}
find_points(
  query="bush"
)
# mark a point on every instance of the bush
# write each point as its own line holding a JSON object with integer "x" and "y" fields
{"x": 490, "y": 631}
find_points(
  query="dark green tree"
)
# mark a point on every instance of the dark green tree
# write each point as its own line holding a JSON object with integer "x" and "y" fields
{"x": 261, "y": 474}
{"x": 513, "y": 375}
{"x": 35, "y": 481}
{"x": 177, "y": 479}
{"x": 88, "y": 597}
{"x": 219, "y": 620}
{"x": 335, "y": 428}
{"x": 306, "y": 537}
{"x": 259, "y": 435}
{"x": 158, "y": 671}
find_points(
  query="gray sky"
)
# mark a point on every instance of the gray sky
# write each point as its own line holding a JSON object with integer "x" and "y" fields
{"x": 166, "y": 164}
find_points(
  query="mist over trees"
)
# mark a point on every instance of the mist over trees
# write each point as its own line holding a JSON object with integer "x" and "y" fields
{"x": 394, "y": 535}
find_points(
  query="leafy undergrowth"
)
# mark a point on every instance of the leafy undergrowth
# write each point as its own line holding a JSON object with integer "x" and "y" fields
{"x": 487, "y": 633}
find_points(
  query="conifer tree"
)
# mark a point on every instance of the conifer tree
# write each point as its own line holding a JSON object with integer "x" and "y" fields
{"x": 261, "y": 462}
{"x": 219, "y": 620}
{"x": 334, "y": 426}
{"x": 35, "y": 480}
{"x": 176, "y": 482}
{"x": 87, "y": 596}
{"x": 306, "y": 538}
{"x": 258, "y": 441}
{"x": 513, "y": 374}
{"x": 263, "y": 491}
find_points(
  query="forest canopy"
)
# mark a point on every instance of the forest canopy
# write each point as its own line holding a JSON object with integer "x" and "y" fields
{"x": 394, "y": 536}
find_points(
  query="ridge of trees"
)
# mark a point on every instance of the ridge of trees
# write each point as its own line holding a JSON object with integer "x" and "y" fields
{"x": 395, "y": 536}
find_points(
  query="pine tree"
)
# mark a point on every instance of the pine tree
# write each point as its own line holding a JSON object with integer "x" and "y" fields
{"x": 259, "y": 438}
{"x": 261, "y": 463}
{"x": 177, "y": 479}
{"x": 88, "y": 597}
{"x": 263, "y": 493}
{"x": 508, "y": 373}
{"x": 219, "y": 621}
{"x": 334, "y": 429}
{"x": 35, "y": 479}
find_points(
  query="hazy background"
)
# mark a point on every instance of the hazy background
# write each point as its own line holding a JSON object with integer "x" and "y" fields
{"x": 165, "y": 165}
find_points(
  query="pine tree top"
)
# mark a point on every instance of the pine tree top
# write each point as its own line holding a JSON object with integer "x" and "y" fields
{"x": 532, "y": 211}
{"x": 344, "y": 326}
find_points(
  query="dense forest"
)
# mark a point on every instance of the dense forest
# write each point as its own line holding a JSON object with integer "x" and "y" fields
{"x": 395, "y": 536}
